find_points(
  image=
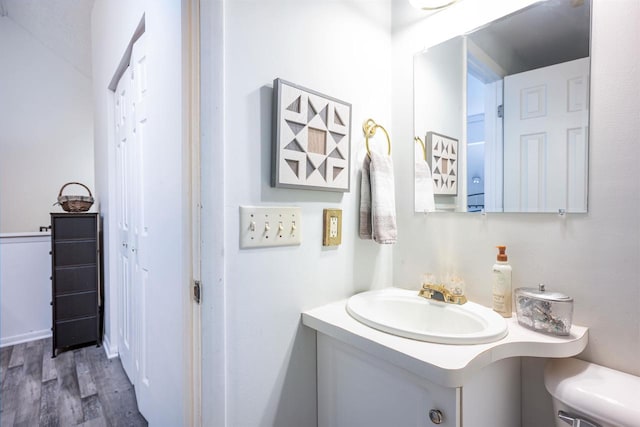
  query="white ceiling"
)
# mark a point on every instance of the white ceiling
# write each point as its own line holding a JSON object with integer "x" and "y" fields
{"x": 64, "y": 26}
{"x": 546, "y": 33}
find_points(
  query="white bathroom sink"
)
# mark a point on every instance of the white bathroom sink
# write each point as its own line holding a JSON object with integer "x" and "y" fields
{"x": 404, "y": 313}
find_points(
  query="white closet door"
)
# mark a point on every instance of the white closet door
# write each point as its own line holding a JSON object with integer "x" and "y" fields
{"x": 142, "y": 264}
{"x": 151, "y": 345}
{"x": 123, "y": 127}
{"x": 545, "y": 138}
{"x": 134, "y": 266}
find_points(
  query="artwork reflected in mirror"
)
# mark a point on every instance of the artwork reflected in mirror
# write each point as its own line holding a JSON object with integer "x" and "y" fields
{"x": 514, "y": 94}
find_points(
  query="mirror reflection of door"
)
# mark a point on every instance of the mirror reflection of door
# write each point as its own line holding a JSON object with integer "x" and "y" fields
{"x": 545, "y": 150}
{"x": 523, "y": 130}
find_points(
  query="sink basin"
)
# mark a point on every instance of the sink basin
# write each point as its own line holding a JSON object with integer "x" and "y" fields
{"x": 404, "y": 313}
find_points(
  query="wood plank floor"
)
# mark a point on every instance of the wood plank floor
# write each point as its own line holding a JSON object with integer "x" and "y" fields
{"x": 78, "y": 388}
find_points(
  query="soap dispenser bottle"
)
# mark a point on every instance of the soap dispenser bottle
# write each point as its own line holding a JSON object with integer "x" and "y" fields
{"x": 502, "y": 284}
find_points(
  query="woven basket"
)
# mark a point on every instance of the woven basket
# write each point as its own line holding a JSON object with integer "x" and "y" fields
{"x": 75, "y": 203}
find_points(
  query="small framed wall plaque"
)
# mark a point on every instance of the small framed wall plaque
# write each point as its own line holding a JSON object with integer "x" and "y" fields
{"x": 442, "y": 156}
{"x": 311, "y": 144}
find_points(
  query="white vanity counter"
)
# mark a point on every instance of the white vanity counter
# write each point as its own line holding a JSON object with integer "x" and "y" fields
{"x": 443, "y": 364}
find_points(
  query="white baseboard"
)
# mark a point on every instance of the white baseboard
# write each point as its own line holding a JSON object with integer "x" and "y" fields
{"x": 110, "y": 351}
{"x": 19, "y": 339}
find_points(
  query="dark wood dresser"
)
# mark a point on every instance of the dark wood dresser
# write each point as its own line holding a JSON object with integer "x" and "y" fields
{"x": 75, "y": 268}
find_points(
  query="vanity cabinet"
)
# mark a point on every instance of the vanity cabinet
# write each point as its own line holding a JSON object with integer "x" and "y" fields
{"x": 358, "y": 389}
{"x": 367, "y": 377}
{"x": 75, "y": 268}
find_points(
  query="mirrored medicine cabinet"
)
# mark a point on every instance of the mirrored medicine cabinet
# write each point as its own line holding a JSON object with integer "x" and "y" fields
{"x": 501, "y": 114}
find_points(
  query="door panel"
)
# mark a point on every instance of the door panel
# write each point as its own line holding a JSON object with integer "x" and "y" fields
{"x": 545, "y": 122}
{"x": 123, "y": 113}
{"x": 131, "y": 119}
{"x": 145, "y": 176}
{"x": 140, "y": 226}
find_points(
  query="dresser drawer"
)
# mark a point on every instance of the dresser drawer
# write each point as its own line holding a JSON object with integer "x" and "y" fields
{"x": 75, "y": 253}
{"x": 79, "y": 331}
{"x": 75, "y": 279}
{"x": 76, "y": 305}
{"x": 74, "y": 227}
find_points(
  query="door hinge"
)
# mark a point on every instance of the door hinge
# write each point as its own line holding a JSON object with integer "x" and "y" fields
{"x": 500, "y": 111}
{"x": 196, "y": 291}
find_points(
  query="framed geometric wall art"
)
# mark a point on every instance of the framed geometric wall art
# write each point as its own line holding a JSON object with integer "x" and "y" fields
{"x": 442, "y": 156}
{"x": 311, "y": 143}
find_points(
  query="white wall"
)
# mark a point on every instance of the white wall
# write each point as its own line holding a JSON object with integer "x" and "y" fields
{"x": 593, "y": 257}
{"x": 167, "y": 339}
{"x": 341, "y": 49}
{"x": 439, "y": 76}
{"x": 47, "y": 129}
{"x": 25, "y": 288}
{"x": 439, "y": 104}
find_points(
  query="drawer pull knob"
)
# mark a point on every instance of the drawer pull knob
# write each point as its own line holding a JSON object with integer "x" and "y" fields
{"x": 436, "y": 416}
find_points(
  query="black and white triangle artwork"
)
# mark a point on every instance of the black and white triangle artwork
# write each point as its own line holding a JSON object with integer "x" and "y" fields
{"x": 295, "y": 146}
{"x": 336, "y": 154}
{"x": 294, "y": 165}
{"x": 338, "y": 120}
{"x": 443, "y": 159}
{"x": 324, "y": 113}
{"x": 323, "y": 169}
{"x": 295, "y": 127}
{"x": 312, "y": 142}
{"x": 336, "y": 137}
{"x": 295, "y": 105}
{"x": 311, "y": 112}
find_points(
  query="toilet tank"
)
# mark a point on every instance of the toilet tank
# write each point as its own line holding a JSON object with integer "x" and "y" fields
{"x": 602, "y": 395}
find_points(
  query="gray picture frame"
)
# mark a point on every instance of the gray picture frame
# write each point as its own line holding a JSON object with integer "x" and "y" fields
{"x": 442, "y": 157}
{"x": 311, "y": 139}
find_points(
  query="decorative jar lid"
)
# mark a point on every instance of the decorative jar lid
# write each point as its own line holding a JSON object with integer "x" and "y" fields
{"x": 541, "y": 293}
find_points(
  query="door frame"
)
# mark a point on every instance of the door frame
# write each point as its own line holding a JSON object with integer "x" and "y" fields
{"x": 191, "y": 120}
{"x": 212, "y": 218}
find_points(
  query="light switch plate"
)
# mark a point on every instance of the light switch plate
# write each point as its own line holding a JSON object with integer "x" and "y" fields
{"x": 332, "y": 227}
{"x": 269, "y": 226}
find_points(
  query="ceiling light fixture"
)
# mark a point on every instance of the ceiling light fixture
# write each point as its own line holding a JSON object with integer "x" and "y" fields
{"x": 431, "y": 4}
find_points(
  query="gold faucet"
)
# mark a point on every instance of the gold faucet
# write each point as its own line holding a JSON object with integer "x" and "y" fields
{"x": 441, "y": 293}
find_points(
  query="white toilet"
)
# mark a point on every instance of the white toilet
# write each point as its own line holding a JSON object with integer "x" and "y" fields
{"x": 589, "y": 395}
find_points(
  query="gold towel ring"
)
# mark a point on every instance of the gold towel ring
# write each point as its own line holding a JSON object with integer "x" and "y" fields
{"x": 424, "y": 148}
{"x": 369, "y": 128}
